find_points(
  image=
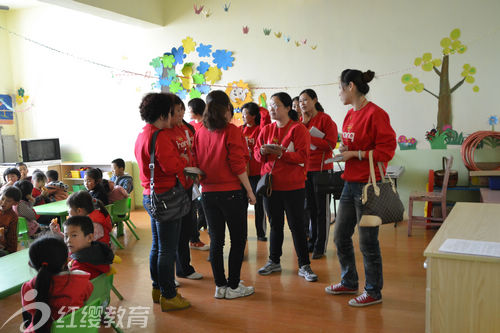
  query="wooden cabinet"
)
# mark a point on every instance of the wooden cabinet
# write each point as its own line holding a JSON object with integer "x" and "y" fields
{"x": 462, "y": 293}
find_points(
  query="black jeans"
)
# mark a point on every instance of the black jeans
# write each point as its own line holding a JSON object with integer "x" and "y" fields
{"x": 291, "y": 202}
{"x": 220, "y": 208}
{"x": 318, "y": 205}
{"x": 260, "y": 217}
{"x": 183, "y": 266}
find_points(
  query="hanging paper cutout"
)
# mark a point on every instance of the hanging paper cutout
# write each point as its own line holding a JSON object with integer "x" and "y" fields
{"x": 21, "y": 98}
{"x": 297, "y": 43}
{"x": 6, "y": 110}
{"x": 188, "y": 45}
{"x": 207, "y": 13}
{"x": 175, "y": 86}
{"x": 223, "y": 59}
{"x": 197, "y": 10}
{"x": 204, "y": 50}
{"x": 198, "y": 78}
{"x": 239, "y": 93}
{"x": 287, "y": 39}
{"x": 203, "y": 67}
{"x": 168, "y": 60}
{"x": 278, "y": 34}
{"x": 245, "y": 29}
{"x": 178, "y": 55}
{"x": 226, "y": 6}
{"x": 314, "y": 47}
{"x": 213, "y": 74}
{"x": 267, "y": 31}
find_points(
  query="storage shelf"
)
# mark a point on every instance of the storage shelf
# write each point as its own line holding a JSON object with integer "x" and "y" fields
{"x": 72, "y": 178}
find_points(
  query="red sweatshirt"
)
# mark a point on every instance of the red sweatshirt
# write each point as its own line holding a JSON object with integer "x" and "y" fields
{"x": 68, "y": 289}
{"x": 182, "y": 138}
{"x": 168, "y": 163}
{"x": 97, "y": 217}
{"x": 325, "y": 124}
{"x": 265, "y": 118}
{"x": 251, "y": 134}
{"x": 290, "y": 171}
{"x": 196, "y": 125}
{"x": 367, "y": 129}
{"x": 222, "y": 155}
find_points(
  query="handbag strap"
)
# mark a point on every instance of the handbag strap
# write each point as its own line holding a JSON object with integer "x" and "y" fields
{"x": 373, "y": 179}
{"x": 152, "y": 160}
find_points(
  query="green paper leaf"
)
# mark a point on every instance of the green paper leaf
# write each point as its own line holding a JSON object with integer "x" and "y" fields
{"x": 455, "y": 34}
{"x": 156, "y": 62}
{"x": 175, "y": 86}
{"x": 194, "y": 93}
{"x": 406, "y": 78}
{"x": 168, "y": 60}
{"x": 409, "y": 87}
{"x": 427, "y": 67}
{"x": 427, "y": 57}
{"x": 470, "y": 79}
{"x": 418, "y": 61}
{"x": 419, "y": 87}
{"x": 475, "y": 89}
{"x": 198, "y": 78}
{"x": 445, "y": 42}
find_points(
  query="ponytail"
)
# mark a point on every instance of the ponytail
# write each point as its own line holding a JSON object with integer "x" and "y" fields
{"x": 312, "y": 94}
{"x": 99, "y": 205}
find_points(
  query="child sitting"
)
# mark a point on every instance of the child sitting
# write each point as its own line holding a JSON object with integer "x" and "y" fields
{"x": 81, "y": 204}
{"x": 23, "y": 170}
{"x": 10, "y": 176}
{"x": 40, "y": 192}
{"x": 94, "y": 184}
{"x": 57, "y": 189}
{"x": 62, "y": 290}
{"x": 87, "y": 255}
{"x": 119, "y": 177}
{"x": 25, "y": 206}
{"x": 9, "y": 197}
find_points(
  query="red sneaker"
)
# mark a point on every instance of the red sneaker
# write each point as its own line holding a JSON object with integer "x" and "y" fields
{"x": 364, "y": 300}
{"x": 199, "y": 246}
{"x": 339, "y": 289}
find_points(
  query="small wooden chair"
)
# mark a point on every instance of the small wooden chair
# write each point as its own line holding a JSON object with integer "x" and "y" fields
{"x": 439, "y": 197}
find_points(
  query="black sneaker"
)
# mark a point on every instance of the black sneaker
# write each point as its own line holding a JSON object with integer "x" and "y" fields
{"x": 262, "y": 238}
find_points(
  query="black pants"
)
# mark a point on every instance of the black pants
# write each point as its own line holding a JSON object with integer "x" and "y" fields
{"x": 260, "y": 217}
{"x": 220, "y": 208}
{"x": 291, "y": 202}
{"x": 183, "y": 266}
{"x": 318, "y": 205}
{"x": 200, "y": 216}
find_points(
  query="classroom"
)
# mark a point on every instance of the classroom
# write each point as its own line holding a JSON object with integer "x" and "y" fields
{"x": 78, "y": 71}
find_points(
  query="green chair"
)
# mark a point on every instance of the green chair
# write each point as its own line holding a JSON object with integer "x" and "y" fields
{"x": 121, "y": 214}
{"x": 129, "y": 206}
{"x": 103, "y": 284}
{"x": 22, "y": 232}
{"x": 84, "y": 320}
{"x": 113, "y": 238}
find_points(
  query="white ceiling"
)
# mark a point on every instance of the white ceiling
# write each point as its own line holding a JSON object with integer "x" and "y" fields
{"x": 17, "y": 4}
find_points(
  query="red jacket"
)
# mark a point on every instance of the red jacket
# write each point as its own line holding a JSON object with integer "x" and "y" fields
{"x": 168, "y": 163}
{"x": 69, "y": 289}
{"x": 325, "y": 124}
{"x": 290, "y": 171}
{"x": 196, "y": 125}
{"x": 367, "y": 129}
{"x": 251, "y": 134}
{"x": 265, "y": 118}
{"x": 182, "y": 138}
{"x": 222, "y": 155}
{"x": 97, "y": 217}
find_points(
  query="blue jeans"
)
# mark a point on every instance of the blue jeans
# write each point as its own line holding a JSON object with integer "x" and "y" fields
{"x": 220, "y": 208}
{"x": 350, "y": 210}
{"x": 163, "y": 252}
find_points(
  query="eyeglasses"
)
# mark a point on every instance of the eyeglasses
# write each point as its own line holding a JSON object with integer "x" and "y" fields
{"x": 274, "y": 106}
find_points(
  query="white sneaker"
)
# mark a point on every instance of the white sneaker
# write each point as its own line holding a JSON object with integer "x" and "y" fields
{"x": 241, "y": 291}
{"x": 194, "y": 276}
{"x": 220, "y": 292}
{"x": 177, "y": 284}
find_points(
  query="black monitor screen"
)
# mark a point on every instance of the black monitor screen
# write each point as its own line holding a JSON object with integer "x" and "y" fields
{"x": 41, "y": 150}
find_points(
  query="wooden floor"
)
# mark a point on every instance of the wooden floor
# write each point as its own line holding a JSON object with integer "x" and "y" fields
{"x": 283, "y": 302}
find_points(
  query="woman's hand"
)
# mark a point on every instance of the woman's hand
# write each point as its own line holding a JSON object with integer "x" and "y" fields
{"x": 185, "y": 156}
{"x": 251, "y": 198}
{"x": 343, "y": 148}
{"x": 347, "y": 155}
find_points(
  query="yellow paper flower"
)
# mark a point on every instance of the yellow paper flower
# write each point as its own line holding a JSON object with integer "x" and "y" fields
{"x": 188, "y": 44}
{"x": 213, "y": 74}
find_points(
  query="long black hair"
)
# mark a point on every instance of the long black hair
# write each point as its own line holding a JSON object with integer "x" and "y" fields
{"x": 214, "y": 116}
{"x": 253, "y": 110}
{"x": 48, "y": 255}
{"x": 312, "y": 94}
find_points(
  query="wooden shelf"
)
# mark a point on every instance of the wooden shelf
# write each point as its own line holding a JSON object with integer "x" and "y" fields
{"x": 484, "y": 173}
{"x": 70, "y": 178}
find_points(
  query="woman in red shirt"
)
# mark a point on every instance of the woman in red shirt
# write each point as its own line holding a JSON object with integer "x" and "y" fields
{"x": 222, "y": 154}
{"x": 283, "y": 149}
{"x": 156, "y": 110}
{"x": 366, "y": 127}
{"x": 323, "y": 140}
{"x": 251, "y": 130}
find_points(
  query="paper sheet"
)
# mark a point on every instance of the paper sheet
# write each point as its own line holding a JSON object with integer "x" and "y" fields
{"x": 196, "y": 193}
{"x": 464, "y": 246}
{"x": 317, "y": 134}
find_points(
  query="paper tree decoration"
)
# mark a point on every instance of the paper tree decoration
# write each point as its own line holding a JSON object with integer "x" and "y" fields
{"x": 450, "y": 45}
{"x": 239, "y": 93}
{"x": 178, "y": 73}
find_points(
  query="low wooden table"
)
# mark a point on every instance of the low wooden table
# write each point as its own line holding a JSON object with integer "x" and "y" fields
{"x": 15, "y": 272}
{"x": 490, "y": 196}
{"x": 58, "y": 208}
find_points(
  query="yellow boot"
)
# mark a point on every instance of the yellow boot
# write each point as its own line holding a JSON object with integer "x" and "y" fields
{"x": 156, "y": 295}
{"x": 174, "y": 303}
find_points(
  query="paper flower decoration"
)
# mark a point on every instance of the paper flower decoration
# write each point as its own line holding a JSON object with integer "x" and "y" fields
{"x": 171, "y": 72}
{"x": 175, "y": 86}
{"x": 178, "y": 55}
{"x": 493, "y": 120}
{"x": 245, "y": 29}
{"x": 194, "y": 94}
{"x": 204, "y": 88}
{"x": 168, "y": 60}
{"x": 213, "y": 74}
{"x": 267, "y": 31}
{"x": 427, "y": 63}
{"x": 412, "y": 83}
{"x": 239, "y": 93}
{"x": 182, "y": 94}
{"x": 278, "y": 34}
{"x": 204, "y": 50}
{"x": 198, "y": 78}
{"x": 165, "y": 81}
{"x": 156, "y": 62}
{"x": 188, "y": 44}
{"x": 203, "y": 67}
{"x": 223, "y": 59}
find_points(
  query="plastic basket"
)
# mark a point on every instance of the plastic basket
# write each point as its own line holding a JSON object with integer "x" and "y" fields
{"x": 494, "y": 182}
{"x": 75, "y": 174}
{"x": 82, "y": 174}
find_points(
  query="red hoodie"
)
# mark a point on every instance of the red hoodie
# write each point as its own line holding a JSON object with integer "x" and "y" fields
{"x": 69, "y": 289}
{"x": 265, "y": 118}
{"x": 222, "y": 155}
{"x": 325, "y": 124}
{"x": 182, "y": 138}
{"x": 168, "y": 163}
{"x": 367, "y": 129}
{"x": 290, "y": 171}
{"x": 251, "y": 134}
{"x": 97, "y": 217}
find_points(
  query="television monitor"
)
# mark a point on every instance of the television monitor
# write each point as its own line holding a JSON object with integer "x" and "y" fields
{"x": 40, "y": 150}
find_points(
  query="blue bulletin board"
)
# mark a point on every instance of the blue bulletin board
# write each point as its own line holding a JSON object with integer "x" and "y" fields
{"x": 6, "y": 110}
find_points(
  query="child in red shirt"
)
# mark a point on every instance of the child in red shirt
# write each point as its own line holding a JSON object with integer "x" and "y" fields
{"x": 10, "y": 196}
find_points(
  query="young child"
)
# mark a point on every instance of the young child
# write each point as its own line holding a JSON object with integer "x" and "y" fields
{"x": 9, "y": 197}
{"x": 40, "y": 192}
{"x": 10, "y": 176}
{"x": 82, "y": 204}
{"x": 25, "y": 206}
{"x": 23, "y": 170}
{"x": 119, "y": 177}
{"x": 196, "y": 107}
{"x": 96, "y": 187}
{"x": 87, "y": 255}
{"x": 57, "y": 189}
